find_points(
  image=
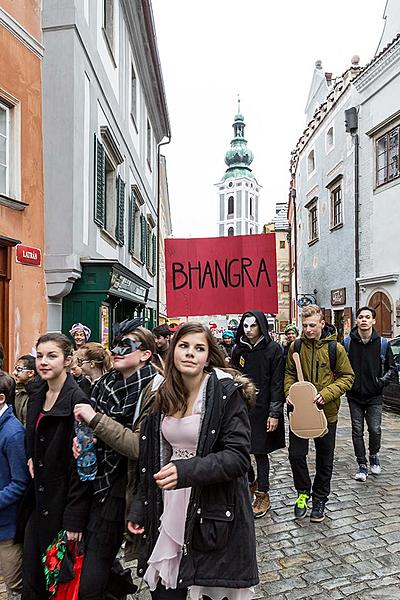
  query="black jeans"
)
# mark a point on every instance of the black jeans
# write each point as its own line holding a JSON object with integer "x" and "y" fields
{"x": 324, "y": 450}
{"x": 161, "y": 593}
{"x": 262, "y": 462}
{"x": 372, "y": 414}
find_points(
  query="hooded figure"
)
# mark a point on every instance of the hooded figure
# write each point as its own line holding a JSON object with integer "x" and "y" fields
{"x": 262, "y": 361}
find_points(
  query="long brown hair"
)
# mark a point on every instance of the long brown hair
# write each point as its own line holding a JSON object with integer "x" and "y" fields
{"x": 172, "y": 395}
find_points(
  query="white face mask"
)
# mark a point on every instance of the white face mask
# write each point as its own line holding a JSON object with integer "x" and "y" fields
{"x": 251, "y": 328}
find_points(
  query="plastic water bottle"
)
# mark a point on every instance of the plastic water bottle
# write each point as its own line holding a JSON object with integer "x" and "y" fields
{"x": 86, "y": 463}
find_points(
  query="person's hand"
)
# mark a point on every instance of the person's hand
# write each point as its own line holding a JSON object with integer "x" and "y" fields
{"x": 167, "y": 477}
{"x": 319, "y": 400}
{"x": 288, "y": 401}
{"x": 135, "y": 528}
{"x": 74, "y": 536}
{"x": 76, "y": 448}
{"x": 272, "y": 424}
{"x": 84, "y": 412}
{"x": 30, "y": 468}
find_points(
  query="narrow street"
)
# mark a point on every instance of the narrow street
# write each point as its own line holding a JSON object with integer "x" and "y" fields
{"x": 355, "y": 552}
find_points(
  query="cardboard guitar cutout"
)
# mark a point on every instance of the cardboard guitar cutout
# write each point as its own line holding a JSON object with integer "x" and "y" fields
{"x": 306, "y": 420}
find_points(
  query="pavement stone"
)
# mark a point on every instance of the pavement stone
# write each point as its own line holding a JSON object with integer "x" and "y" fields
{"x": 355, "y": 552}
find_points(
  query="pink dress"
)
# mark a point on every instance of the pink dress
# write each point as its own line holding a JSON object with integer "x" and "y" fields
{"x": 182, "y": 434}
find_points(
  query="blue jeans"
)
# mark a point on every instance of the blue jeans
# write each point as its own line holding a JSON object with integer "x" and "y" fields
{"x": 372, "y": 414}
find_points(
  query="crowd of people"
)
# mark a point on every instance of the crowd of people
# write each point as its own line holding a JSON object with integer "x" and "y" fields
{"x": 175, "y": 418}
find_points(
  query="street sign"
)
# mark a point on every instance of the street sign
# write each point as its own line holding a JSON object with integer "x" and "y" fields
{"x": 27, "y": 255}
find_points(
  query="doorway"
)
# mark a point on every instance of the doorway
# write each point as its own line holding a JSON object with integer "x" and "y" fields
{"x": 381, "y": 303}
{"x": 5, "y": 270}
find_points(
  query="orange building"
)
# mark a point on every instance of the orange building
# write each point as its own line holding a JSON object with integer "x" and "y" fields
{"x": 23, "y": 307}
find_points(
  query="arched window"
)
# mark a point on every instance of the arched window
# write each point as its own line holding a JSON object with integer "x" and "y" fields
{"x": 231, "y": 205}
{"x": 251, "y": 231}
{"x": 231, "y": 231}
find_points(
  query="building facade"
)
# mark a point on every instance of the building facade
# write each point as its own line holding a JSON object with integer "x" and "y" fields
{"x": 322, "y": 202}
{"x": 238, "y": 190}
{"x": 23, "y": 307}
{"x": 377, "y": 93}
{"x": 165, "y": 231}
{"x": 280, "y": 226}
{"x": 104, "y": 116}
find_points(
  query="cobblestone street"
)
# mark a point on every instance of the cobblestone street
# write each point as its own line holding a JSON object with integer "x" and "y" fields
{"x": 355, "y": 552}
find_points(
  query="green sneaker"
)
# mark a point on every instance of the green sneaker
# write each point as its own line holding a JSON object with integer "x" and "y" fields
{"x": 300, "y": 508}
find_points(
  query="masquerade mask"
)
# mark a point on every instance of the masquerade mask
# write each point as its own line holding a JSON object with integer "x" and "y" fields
{"x": 125, "y": 346}
{"x": 247, "y": 324}
{"x": 21, "y": 369}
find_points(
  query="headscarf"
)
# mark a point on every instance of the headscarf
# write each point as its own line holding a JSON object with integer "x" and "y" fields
{"x": 79, "y": 327}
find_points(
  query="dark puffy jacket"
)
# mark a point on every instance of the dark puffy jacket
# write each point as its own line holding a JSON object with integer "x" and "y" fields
{"x": 371, "y": 375}
{"x": 263, "y": 363}
{"x": 222, "y": 552}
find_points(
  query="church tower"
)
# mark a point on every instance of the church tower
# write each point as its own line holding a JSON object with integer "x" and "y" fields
{"x": 238, "y": 190}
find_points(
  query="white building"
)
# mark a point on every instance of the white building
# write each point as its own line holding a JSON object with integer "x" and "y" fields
{"x": 238, "y": 189}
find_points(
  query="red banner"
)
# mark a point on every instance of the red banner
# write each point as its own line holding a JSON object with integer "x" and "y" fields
{"x": 217, "y": 276}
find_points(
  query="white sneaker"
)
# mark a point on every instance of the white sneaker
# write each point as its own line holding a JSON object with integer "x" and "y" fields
{"x": 375, "y": 464}
{"x": 362, "y": 473}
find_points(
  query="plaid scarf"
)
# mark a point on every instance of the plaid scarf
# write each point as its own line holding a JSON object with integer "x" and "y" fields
{"x": 117, "y": 398}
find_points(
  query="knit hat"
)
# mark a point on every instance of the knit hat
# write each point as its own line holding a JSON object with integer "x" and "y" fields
{"x": 291, "y": 329}
{"x": 79, "y": 327}
{"x": 228, "y": 334}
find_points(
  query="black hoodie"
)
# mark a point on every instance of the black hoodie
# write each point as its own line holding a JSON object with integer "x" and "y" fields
{"x": 263, "y": 363}
{"x": 366, "y": 362}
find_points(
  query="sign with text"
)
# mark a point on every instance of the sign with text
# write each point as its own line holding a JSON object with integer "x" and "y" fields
{"x": 215, "y": 276}
{"x": 28, "y": 255}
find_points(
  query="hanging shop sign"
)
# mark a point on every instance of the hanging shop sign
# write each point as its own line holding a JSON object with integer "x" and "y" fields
{"x": 27, "y": 255}
{"x": 215, "y": 276}
{"x": 338, "y": 297}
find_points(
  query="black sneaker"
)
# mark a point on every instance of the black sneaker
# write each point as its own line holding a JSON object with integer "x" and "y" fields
{"x": 300, "y": 508}
{"x": 318, "y": 511}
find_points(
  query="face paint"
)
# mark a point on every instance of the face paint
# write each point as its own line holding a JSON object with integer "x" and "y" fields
{"x": 126, "y": 346}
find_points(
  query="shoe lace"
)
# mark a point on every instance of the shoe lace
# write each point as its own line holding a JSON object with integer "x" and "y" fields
{"x": 302, "y": 500}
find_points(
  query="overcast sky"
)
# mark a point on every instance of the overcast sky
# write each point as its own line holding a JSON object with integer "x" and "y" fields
{"x": 265, "y": 51}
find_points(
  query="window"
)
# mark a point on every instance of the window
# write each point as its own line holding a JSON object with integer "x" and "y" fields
{"x": 251, "y": 206}
{"x": 251, "y": 231}
{"x": 134, "y": 226}
{"x": 231, "y": 205}
{"x": 336, "y": 207}
{"x": 4, "y": 149}
{"x": 312, "y": 221}
{"x": 311, "y": 163}
{"x": 329, "y": 142}
{"x": 108, "y": 22}
{"x": 387, "y": 156}
{"x": 282, "y": 244}
{"x": 148, "y": 144}
{"x": 109, "y": 211}
{"x": 231, "y": 231}
{"x": 285, "y": 288}
{"x": 133, "y": 94}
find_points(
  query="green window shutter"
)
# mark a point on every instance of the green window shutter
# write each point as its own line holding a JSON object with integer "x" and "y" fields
{"x": 120, "y": 226}
{"x": 143, "y": 234}
{"x": 132, "y": 222}
{"x": 100, "y": 183}
{"x": 148, "y": 246}
{"x": 154, "y": 253}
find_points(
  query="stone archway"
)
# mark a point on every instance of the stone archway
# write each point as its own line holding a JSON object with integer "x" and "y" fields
{"x": 383, "y": 306}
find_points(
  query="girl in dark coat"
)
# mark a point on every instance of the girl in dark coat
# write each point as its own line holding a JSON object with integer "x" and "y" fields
{"x": 59, "y": 500}
{"x": 258, "y": 357}
{"x": 193, "y": 507}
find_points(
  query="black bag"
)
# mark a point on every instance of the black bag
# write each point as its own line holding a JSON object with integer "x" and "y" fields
{"x": 120, "y": 583}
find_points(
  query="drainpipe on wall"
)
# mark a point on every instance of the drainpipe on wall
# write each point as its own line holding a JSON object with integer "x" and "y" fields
{"x": 351, "y": 124}
{"x": 167, "y": 141}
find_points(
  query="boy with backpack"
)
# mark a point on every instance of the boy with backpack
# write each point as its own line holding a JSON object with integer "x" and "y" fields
{"x": 372, "y": 361}
{"x": 325, "y": 364}
{"x": 13, "y": 482}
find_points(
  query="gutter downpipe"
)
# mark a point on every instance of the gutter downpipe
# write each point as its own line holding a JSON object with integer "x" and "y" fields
{"x": 167, "y": 141}
{"x": 357, "y": 217}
